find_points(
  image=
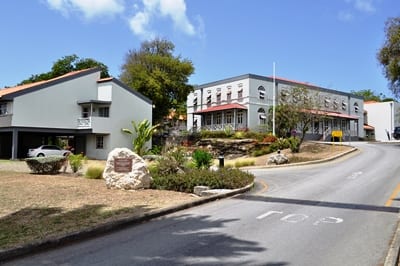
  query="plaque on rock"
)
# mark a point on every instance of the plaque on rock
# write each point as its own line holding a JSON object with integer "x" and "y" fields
{"x": 122, "y": 165}
{"x": 126, "y": 170}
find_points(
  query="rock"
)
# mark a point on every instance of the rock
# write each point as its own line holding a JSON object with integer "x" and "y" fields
{"x": 278, "y": 159}
{"x": 126, "y": 170}
{"x": 198, "y": 190}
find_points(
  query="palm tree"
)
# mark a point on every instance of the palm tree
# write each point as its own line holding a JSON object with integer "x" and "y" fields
{"x": 144, "y": 130}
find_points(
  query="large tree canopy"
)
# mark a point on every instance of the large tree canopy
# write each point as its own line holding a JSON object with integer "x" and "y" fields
{"x": 389, "y": 54}
{"x": 155, "y": 72}
{"x": 68, "y": 64}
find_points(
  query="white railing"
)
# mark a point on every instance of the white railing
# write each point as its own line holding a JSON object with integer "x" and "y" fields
{"x": 84, "y": 123}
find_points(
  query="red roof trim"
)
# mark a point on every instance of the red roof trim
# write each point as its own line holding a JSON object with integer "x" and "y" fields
{"x": 222, "y": 108}
{"x": 332, "y": 114}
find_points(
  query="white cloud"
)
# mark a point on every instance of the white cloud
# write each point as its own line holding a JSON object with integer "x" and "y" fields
{"x": 89, "y": 8}
{"x": 145, "y": 13}
{"x": 345, "y": 16}
{"x": 357, "y": 6}
{"x": 364, "y": 6}
{"x": 139, "y": 25}
{"x": 152, "y": 9}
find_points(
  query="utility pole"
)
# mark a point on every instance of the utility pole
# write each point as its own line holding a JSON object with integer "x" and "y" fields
{"x": 273, "y": 99}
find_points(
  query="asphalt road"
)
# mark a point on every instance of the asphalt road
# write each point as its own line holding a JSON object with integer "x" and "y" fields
{"x": 338, "y": 213}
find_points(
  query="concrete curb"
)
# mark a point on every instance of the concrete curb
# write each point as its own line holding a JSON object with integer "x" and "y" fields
{"x": 392, "y": 258}
{"x": 9, "y": 254}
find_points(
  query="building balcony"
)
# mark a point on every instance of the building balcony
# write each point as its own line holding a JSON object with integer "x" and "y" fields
{"x": 5, "y": 120}
{"x": 95, "y": 123}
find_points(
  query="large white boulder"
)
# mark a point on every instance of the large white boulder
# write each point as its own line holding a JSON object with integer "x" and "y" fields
{"x": 126, "y": 170}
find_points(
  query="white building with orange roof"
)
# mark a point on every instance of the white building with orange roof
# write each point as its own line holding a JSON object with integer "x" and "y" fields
{"x": 79, "y": 106}
{"x": 243, "y": 102}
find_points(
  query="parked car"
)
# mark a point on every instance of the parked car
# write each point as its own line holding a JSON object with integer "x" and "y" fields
{"x": 47, "y": 150}
{"x": 396, "y": 133}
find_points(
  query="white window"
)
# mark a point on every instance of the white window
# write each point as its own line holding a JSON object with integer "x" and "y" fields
{"x": 3, "y": 108}
{"x": 208, "y": 120}
{"x": 85, "y": 112}
{"x": 104, "y": 111}
{"x": 356, "y": 108}
{"x": 240, "y": 117}
{"x": 261, "y": 92}
{"x": 240, "y": 94}
{"x": 218, "y": 119}
{"x": 218, "y": 97}
{"x": 262, "y": 117}
{"x": 229, "y": 96}
{"x": 99, "y": 142}
{"x": 209, "y": 100}
{"x": 228, "y": 117}
{"x": 344, "y": 106}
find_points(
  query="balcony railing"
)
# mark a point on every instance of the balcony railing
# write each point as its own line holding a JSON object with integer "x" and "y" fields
{"x": 84, "y": 123}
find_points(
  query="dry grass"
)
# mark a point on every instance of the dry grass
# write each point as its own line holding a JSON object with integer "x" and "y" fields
{"x": 34, "y": 207}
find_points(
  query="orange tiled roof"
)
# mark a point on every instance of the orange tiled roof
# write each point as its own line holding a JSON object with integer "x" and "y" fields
{"x": 11, "y": 90}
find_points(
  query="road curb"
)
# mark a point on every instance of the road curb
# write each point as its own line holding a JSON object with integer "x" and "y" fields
{"x": 392, "y": 258}
{"x": 9, "y": 254}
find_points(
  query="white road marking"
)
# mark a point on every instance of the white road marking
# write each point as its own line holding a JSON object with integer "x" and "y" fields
{"x": 355, "y": 175}
{"x": 294, "y": 218}
{"x": 329, "y": 220}
{"x": 262, "y": 216}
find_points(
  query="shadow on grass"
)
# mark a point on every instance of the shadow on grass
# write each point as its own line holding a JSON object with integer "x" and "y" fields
{"x": 41, "y": 225}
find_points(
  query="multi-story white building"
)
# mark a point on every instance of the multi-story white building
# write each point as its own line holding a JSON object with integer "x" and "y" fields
{"x": 243, "y": 102}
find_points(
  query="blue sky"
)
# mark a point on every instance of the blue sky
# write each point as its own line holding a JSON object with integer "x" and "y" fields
{"x": 329, "y": 43}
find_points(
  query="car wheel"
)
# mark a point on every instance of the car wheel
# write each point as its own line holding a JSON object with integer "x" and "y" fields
{"x": 40, "y": 155}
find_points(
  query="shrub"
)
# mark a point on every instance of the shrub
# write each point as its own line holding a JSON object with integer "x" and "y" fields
{"x": 260, "y": 152}
{"x": 294, "y": 144}
{"x": 202, "y": 159}
{"x": 220, "y": 179}
{"x": 94, "y": 172}
{"x": 76, "y": 161}
{"x": 46, "y": 165}
{"x": 171, "y": 162}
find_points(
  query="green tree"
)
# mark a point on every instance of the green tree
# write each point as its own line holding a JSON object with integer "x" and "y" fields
{"x": 297, "y": 111}
{"x": 68, "y": 64}
{"x": 389, "y": 55}
{"x": 143, "y": 133}
{"x": 368, "y": 95}
{"x": 155, "y": 72}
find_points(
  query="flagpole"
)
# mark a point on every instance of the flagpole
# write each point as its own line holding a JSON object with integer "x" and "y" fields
{"x": 273, "y": 99}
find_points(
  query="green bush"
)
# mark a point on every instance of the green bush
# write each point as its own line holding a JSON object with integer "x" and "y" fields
{"x": 261, "y": 152}
{"x": 294, "y": 144}
{"x": 220, "y": 179}
{"x": 94, "y": 172}
{"x": 171, "y": 162}
{"x": 76, "y": 161}
{"x": 46, "y": 165}
{"x": 202, "y": 159}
